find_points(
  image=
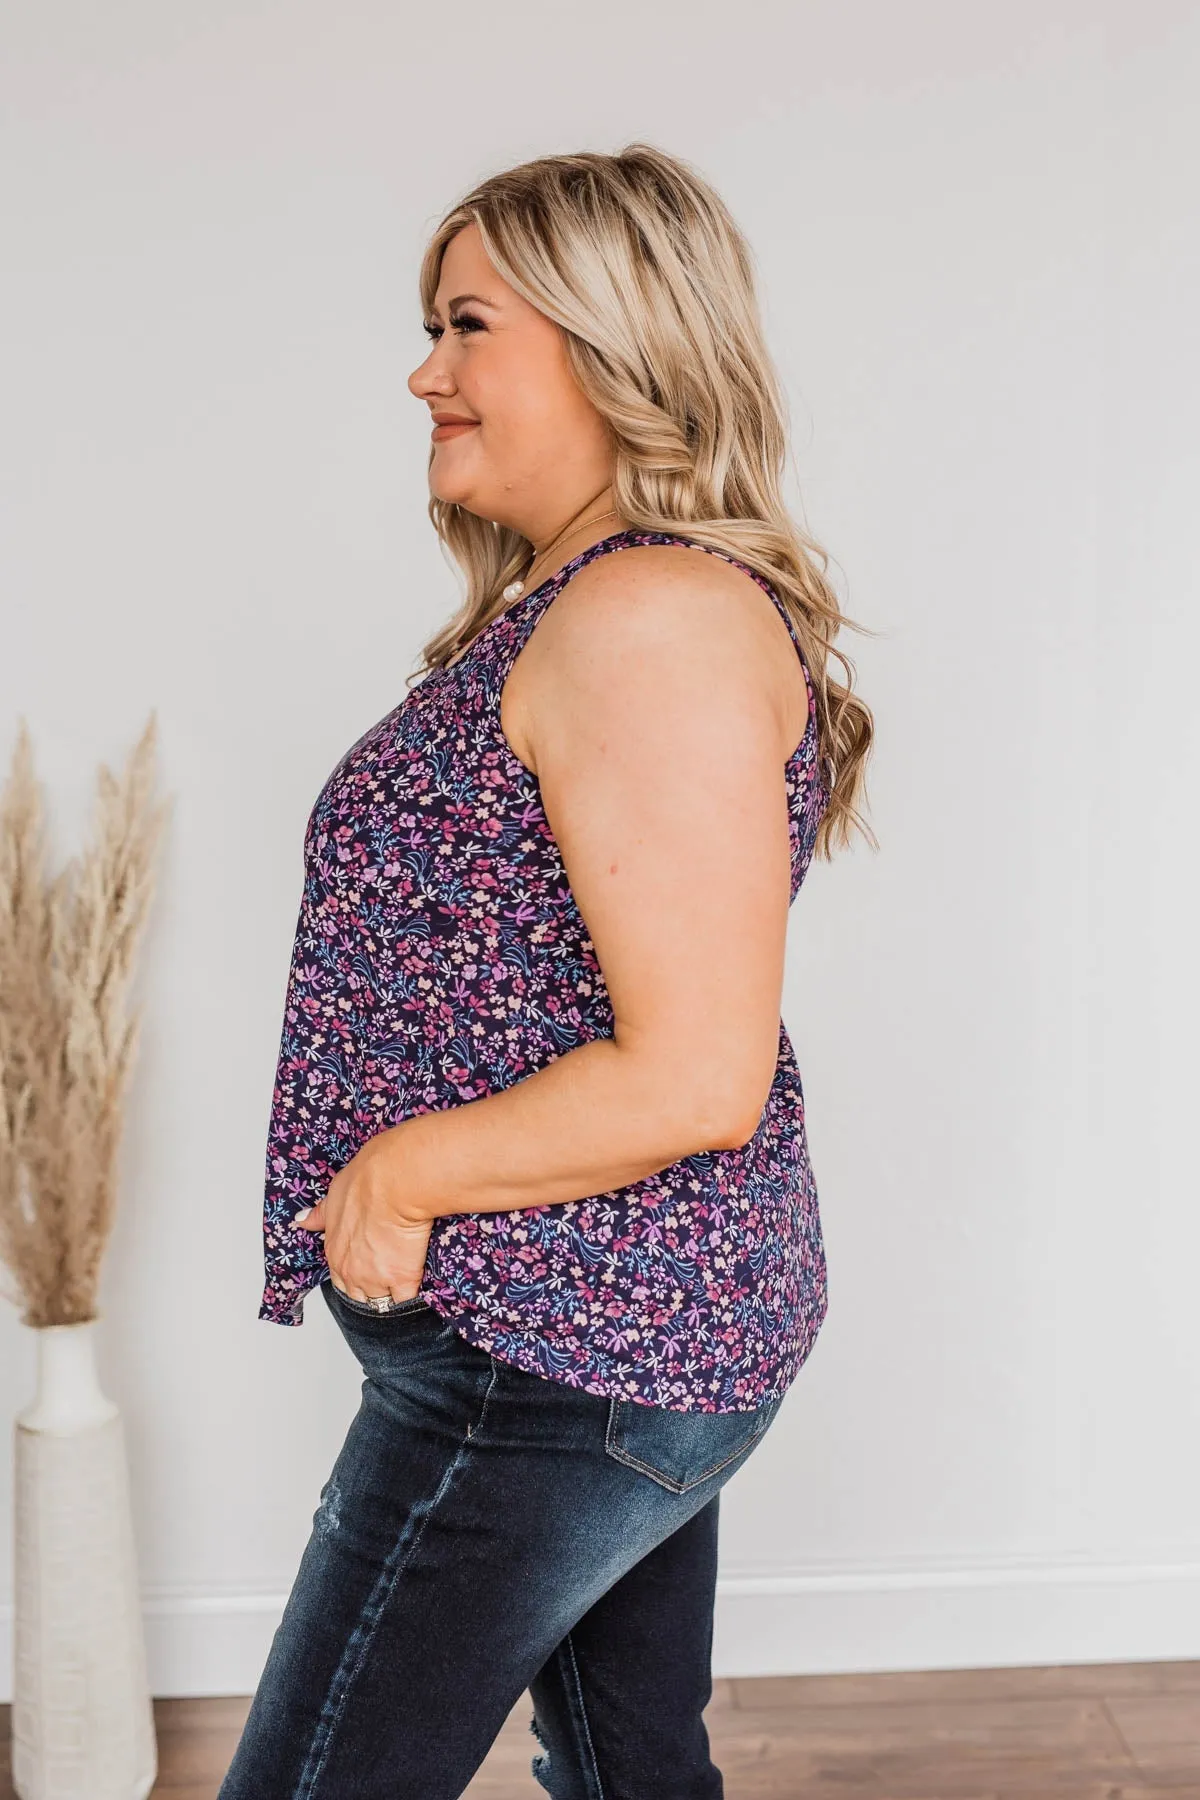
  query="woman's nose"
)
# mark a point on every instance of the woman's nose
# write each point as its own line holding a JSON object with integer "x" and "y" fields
{"x": 430, "y": 378}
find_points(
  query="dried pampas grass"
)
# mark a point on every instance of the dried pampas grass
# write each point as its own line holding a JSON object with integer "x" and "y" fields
{"x": 67, "y": 1039}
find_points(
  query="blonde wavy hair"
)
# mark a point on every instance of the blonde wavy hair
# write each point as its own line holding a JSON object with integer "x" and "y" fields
{"x": 638, "y": 261}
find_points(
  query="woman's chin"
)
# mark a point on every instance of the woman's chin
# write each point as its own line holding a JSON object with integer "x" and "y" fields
{"x": 451, "y": 491}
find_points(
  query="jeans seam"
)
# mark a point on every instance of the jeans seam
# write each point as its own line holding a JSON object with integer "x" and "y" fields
{"x": 583, "y": 1722}
{"x": 487, "y": 1394}
{"x": 385, "y": 1584}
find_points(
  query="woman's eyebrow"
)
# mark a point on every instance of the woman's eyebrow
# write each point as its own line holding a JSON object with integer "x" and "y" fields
{"x": 459, "y": 300}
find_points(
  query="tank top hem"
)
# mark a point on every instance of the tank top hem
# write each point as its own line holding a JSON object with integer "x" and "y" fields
{"x": 537, "y": 1355}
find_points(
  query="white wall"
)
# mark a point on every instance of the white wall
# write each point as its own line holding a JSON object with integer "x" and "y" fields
{"x": 977, "y": 234}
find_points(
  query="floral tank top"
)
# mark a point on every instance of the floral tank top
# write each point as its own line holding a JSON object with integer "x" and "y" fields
{"x": 439, "y": 957}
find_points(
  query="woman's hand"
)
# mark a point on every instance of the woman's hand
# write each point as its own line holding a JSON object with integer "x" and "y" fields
{"x": 375, "y": 1244}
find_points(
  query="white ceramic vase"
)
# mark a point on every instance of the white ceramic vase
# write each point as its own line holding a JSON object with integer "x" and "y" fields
{"x": 82, "y": 1716}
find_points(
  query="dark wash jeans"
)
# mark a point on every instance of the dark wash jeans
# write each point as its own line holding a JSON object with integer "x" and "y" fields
{"x": 484, "y": 1531}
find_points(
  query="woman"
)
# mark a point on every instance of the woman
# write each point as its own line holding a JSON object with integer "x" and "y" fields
{"x": 538, "y": 1131}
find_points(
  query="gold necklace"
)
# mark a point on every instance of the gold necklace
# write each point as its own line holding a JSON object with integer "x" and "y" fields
{"x": 515, "y": 589}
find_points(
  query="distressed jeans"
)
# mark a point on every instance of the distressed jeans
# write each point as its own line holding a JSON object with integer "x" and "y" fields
{"x": 483, "y": 1532}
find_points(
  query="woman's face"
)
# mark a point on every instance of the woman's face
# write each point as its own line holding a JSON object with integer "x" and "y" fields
{"x": 520, "y": 443}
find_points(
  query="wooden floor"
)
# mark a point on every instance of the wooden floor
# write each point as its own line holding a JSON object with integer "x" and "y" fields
{"x": 1114, "y": 1731}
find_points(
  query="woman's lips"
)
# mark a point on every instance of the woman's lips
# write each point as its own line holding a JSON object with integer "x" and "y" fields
{"x": 455, "y": 430}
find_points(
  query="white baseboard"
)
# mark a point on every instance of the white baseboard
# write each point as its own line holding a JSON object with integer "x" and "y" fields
{"x": 979, "y": 1617}
{"x": 801, "y": 1623}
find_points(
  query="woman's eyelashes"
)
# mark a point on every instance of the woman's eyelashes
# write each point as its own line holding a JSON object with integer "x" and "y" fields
{"x": 459, "y": 322}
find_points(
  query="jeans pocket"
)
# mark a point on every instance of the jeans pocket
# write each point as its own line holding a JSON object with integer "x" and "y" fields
{"x": 363, "y": 1309}
{"x": 679, "y": 1450}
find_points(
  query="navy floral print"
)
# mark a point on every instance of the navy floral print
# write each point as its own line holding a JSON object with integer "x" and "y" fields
{"x": 439, "y": 957}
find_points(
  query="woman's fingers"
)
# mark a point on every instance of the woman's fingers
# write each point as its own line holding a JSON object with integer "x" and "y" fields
{"x": 406, "y": 1249}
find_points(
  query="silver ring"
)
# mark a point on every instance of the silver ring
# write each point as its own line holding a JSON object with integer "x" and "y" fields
{"x": 381, "y": 1302}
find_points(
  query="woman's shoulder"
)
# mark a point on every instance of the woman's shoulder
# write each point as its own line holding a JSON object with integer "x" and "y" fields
{"x": 674, "y": 620}
{"x": 643, "y": 595}
{"x": 656, "y": 629}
